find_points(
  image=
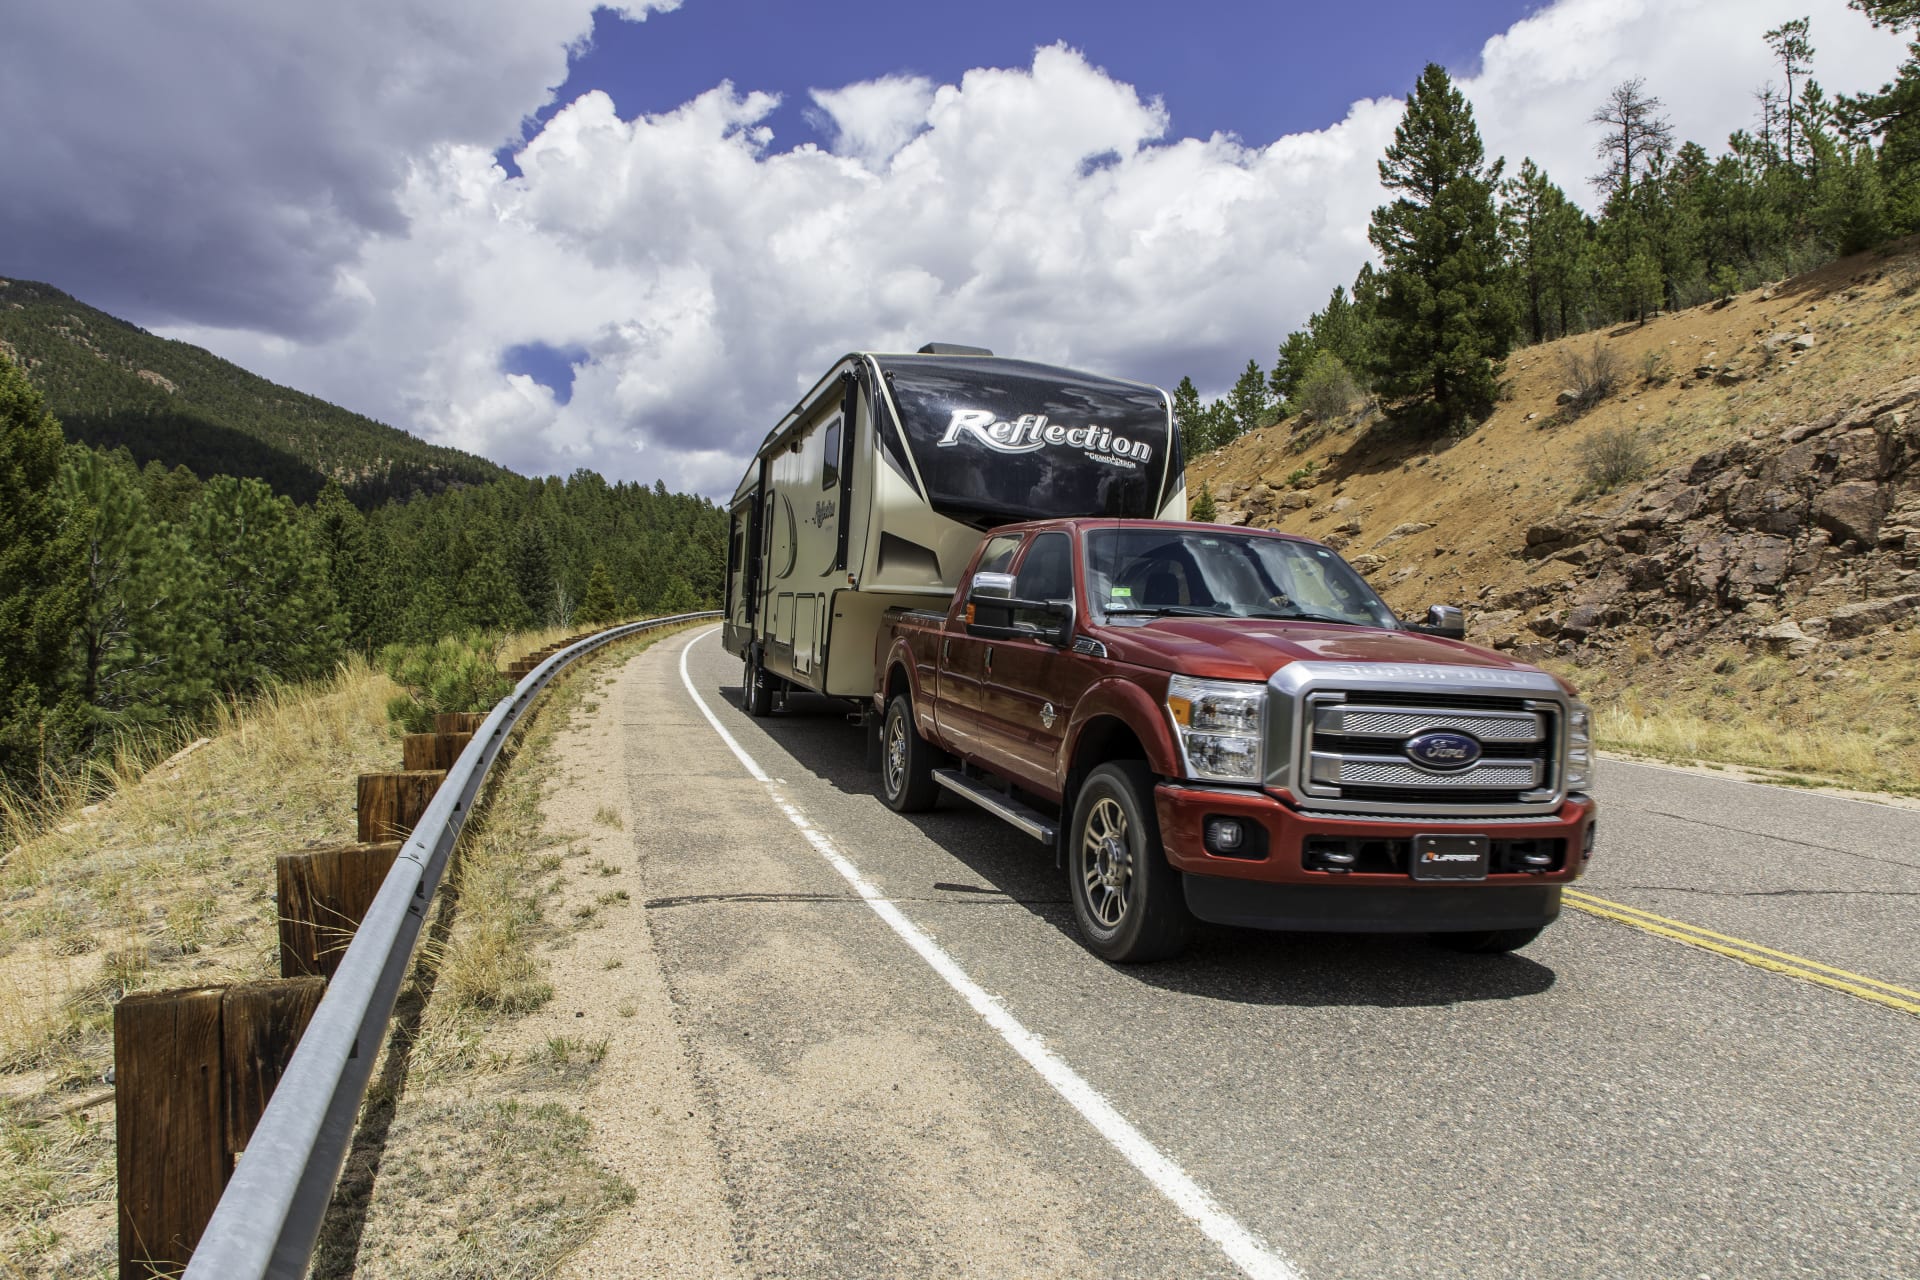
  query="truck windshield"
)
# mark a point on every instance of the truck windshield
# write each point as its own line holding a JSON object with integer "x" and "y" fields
{"x": 1158, "y": 572}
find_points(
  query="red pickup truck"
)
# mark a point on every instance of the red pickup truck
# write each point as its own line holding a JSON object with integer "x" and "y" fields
{"x": 1230, "y": 725}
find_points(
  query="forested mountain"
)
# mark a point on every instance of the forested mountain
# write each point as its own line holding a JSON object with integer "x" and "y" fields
{"x": 132, "y": 597}
{"x": 113, "y": 385}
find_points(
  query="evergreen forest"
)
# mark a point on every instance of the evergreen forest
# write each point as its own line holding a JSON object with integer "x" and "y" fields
{"x": 134, "y": 595}
{"x": 1474, "y": 259}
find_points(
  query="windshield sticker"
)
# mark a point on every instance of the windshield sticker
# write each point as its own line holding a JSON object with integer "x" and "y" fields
{"x": 1031, "y": 431}
{"x": 1121, "y": 591}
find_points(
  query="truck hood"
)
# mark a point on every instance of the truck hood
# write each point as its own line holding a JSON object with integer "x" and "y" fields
{"x": 1254, "y": 648}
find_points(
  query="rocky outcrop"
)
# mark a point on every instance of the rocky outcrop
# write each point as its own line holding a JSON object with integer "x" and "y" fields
{"x": 1805, "y": 538}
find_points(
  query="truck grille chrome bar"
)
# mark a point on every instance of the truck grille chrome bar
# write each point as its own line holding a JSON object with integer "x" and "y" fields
{"x": 1371, "y": 771}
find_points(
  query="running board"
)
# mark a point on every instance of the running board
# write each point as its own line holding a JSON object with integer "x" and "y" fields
{"x": 998, "y": 804}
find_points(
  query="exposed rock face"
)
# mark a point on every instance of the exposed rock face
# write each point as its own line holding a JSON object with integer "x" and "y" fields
{"x": 1787, "y": 543}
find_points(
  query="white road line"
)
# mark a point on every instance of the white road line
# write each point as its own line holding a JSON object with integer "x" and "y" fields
{"x": 1246, "y": 1250}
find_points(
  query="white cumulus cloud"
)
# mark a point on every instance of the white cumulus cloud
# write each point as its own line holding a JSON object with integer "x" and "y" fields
{"x": 710, "y": 271}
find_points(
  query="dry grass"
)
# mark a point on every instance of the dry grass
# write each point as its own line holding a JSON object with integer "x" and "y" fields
{"x": 1852, "y": 722}
{"x": 137, "y": 878}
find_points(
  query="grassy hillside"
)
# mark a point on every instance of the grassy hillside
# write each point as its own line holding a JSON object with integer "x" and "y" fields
{"x": 1715, "y": 546}
{"x": 112, "y": 384}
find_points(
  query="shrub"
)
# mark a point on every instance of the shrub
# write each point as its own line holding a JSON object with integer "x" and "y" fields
{"x": 451, "y": 674}
{"x": 1655, "y": 368}
{"x": 1327, "y": 389}
{"x": 1612, "y": 457}
{"x": 1591, "y": 375}
{"x": 1202, "y": 507}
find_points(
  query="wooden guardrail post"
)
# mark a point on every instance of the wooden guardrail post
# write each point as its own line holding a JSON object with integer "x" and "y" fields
{"x": 193, "y": 1070}
{"x": 390, "y": 804}
{"x": 432, "y": 750}
{"x": 324, "y": 895}
{"x": 458, "y": 721}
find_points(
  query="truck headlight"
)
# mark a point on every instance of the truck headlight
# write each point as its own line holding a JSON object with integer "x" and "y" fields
{"x": 1579, "y": 747}
{"x": 1220, "y": 724}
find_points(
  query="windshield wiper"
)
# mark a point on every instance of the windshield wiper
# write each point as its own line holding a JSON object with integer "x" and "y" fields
{"x": 1163, "y": 611}
{"x": 1299, "y": 615}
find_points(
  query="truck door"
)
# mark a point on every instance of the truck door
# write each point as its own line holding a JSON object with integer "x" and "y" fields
{"x": 1028, "y": 691}
{"x": 962, "y": 658}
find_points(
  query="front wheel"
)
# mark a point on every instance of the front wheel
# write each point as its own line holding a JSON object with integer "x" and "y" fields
{"x": 1127, "y": 899}
{"x": 906, "y": 761}
{"x": 1487, "y": 942}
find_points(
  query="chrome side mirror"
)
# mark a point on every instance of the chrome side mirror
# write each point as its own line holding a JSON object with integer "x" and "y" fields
{"x": 991, "y": 586}
{"x": 1445, "y": 621}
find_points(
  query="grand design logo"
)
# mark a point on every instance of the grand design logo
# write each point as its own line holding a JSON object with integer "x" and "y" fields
{"x": 1443, "y": 750}
{"x": 1031, "y": 431}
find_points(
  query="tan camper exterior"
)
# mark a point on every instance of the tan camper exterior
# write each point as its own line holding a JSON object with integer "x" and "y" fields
{"x": 872, "y": 492}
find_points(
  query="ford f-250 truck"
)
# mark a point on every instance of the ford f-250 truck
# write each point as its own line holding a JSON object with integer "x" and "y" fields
{"x": 1230, "y": 725}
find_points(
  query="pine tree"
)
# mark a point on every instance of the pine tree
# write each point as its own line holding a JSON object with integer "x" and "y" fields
{"x": 1202, "y": 508}
{"x": 1190, "y": 419}
{"x": 1548, "y": 246}
{"x": 1636, "y": 132}
{"x": 1791, "y": 45}
{"x": 341, "y": 532}
{"x": 489, "y": 600}
{"x": 1445, "y": 318}
{"x": 1249, "y": 403}
{"x": 138, "y": 652}
{"x": 39, "y": 597}
{"x": 598, "y": 606}
{"x": 277, "y": 616}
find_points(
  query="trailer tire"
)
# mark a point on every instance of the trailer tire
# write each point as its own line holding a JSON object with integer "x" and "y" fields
{"x": 906, "y": 761}
{"x": 1128, "y": 900}
{"x": 1487, "y": 942}
{"x": 756, "y": 695}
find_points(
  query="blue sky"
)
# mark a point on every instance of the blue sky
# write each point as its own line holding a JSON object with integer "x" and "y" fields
{"x": 542, "y": 231}
{"x": 1256, "y": 70}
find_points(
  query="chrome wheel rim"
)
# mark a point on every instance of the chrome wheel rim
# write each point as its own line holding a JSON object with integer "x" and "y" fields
{"x": 1106, "y": 863}
{"x": 896, "y": 760}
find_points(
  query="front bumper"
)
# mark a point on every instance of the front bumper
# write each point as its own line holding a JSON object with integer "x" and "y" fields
{"x": 1273, "y": 884}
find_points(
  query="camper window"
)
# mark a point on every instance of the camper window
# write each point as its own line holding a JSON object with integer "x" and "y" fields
{"x": 830, "y": 458}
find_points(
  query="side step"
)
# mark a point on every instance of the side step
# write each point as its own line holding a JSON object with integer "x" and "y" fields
{"x": 999, "y": 804}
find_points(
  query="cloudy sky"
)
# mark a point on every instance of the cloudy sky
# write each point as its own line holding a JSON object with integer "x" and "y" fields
{"x": 625, "y": 238}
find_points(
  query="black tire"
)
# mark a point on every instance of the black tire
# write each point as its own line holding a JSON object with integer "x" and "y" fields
{"x": 906, "y": 761}
{"x": 1129, "y": 902}
{"x": 756, "y": 694}
{"x": 1487, "y": 942}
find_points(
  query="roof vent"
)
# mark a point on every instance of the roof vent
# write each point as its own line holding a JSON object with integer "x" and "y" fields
{"x": 952, "y": 349}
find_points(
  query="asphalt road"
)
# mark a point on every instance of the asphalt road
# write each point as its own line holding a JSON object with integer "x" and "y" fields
{"x": 1607, "y": 1103}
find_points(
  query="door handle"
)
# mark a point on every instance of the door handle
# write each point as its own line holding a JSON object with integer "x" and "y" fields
{"x": 946, "y": 652}
{"x": 989, "y": 661}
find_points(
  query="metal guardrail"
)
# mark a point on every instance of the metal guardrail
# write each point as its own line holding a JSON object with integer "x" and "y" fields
{"x": 269, "y": 1218}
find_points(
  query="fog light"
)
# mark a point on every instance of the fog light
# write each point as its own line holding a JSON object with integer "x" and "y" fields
{"x": 1224, "y": 835}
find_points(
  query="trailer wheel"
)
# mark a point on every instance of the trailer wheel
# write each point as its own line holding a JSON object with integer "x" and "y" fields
{"x": 1487, "y": 942}
{"x": 906, "y": 761}
{"x": 1127, "y": 899}
{"x": 756, "y": 696}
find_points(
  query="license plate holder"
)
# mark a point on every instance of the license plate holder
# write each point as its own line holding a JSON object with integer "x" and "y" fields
{"x": 1450, "y": 857}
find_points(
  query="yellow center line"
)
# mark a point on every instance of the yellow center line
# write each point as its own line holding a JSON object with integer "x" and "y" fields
{"x": 1782, "y": 962}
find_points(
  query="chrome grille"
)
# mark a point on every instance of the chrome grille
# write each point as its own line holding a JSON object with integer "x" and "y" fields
{"x": 1410, "y": 722}
{"x": 1354, "y": 751}
{"x": 1367, "y": 771}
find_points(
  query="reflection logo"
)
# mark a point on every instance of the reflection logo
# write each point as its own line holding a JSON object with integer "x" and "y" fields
{"x": 1032, "y": 431}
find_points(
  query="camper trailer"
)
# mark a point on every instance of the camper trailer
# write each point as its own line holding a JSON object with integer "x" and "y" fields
{"x": 871, "y": 493}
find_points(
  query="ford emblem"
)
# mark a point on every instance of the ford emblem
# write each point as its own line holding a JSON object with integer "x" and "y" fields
{"x": 1443, "y": 750}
